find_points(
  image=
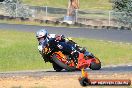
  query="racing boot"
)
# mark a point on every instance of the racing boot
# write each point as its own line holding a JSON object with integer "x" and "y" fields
{"x": 88, "y": 54}
{"x": 82, "y": 50}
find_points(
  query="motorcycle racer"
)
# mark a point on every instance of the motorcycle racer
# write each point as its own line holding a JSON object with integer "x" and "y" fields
{"x": 60, "y": 42}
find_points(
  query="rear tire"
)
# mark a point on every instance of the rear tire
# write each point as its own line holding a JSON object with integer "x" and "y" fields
{"x": 62, "y": 65}
{"x": 95, "y": 66}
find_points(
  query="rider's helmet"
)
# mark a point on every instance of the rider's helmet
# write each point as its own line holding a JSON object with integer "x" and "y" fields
{"x": 41, "y": 34}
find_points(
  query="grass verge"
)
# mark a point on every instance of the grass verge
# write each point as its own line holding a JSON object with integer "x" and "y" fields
{"x": 108, "y": 52}
{"x": 26, "y": 22}
{"x": 18, "y": 51}
{"x": 84, "y": 4}
{"x": 34, "y": 23}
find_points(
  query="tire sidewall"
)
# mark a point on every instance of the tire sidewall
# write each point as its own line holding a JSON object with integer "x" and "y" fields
{"x": 61, "y": 64}
{"x": 95, "y": 66}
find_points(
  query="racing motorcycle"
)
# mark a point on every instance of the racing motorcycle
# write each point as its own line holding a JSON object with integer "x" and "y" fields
{"x": 61, "y": 60}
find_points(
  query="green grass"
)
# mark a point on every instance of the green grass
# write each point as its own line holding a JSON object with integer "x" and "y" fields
{"x": 108, "y": 52}
{"x": 35, "y": 23}
{"x": 84, "y": 4}
{"x": 18, "y": 51}
{"x": 25, "y": 22}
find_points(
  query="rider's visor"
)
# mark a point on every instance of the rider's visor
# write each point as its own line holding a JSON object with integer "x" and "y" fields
{"x": 42, "y": 38}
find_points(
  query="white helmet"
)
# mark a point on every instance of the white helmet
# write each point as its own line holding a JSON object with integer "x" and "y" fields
{"x": 41, "y": 33}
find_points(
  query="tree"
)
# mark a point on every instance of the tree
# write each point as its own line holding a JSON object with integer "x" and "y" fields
{"x": 16, "y": 8}
{"x": 123, "y": 12}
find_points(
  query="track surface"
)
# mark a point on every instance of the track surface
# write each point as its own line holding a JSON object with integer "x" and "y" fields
{"x": 105, "y": 70}
{"x": 109, "y": 35}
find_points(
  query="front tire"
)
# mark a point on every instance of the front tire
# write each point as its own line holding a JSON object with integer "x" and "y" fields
{"x": 61, "y": 64}
{"x": 56, "y": 67}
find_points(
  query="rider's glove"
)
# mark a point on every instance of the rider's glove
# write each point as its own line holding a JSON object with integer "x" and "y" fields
{"x": 57, "y": 38}
{"x": 60, "y": 37}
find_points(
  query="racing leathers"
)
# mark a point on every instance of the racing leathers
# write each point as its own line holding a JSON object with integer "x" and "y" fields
{"x": 59, "y": 42}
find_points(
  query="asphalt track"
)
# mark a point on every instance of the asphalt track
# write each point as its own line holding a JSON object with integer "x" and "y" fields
{"x": 109, "y": 35}
{"x": 125, "y": 69}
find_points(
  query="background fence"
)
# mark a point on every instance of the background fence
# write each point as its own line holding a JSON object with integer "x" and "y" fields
{"x": 96, "y": 18}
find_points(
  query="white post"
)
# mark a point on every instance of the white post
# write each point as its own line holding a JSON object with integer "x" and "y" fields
{"x": 16, "y": 7}
{"x": 76, "y": 14}
{"x": 46, "y": 12}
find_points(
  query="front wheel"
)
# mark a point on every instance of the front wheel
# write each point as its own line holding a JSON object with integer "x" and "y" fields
{"x": 62, "y": 65}
{"x": 56, "y": 67}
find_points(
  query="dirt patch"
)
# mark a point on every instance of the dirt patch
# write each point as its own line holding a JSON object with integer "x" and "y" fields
{"x": 67, "y": 81}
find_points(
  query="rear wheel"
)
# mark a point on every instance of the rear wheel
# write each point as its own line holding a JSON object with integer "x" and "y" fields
{"x": 95, "y": 65}
{"x": 62, "y": 65}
